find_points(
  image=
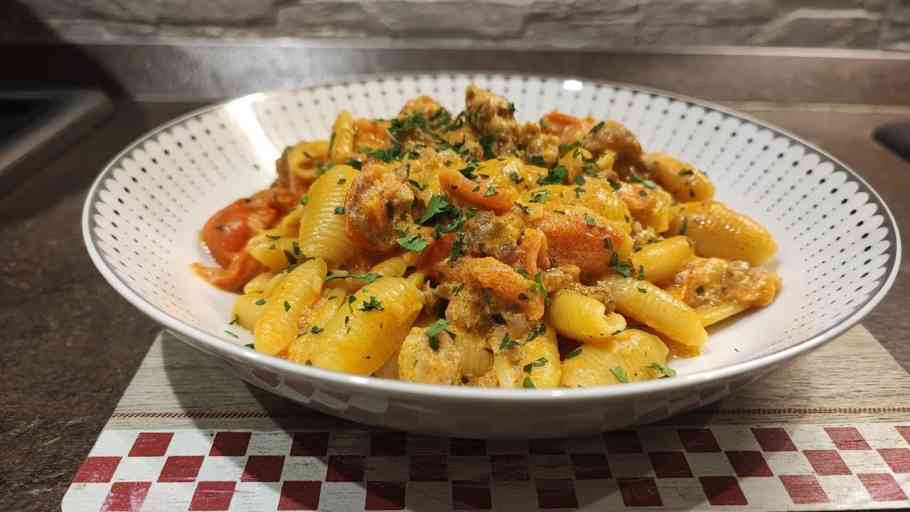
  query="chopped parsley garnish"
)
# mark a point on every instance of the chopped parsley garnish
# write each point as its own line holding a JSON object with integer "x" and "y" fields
{"x": 539, "y": 196}
{"x": 273, "y": 237}
{"x": 579, "y": 180}
{"x": 436, "y": 206}
{"x": 685, "y": 226}
{"x": 316, "y": 329}
{"x": 575, "y": 352}
{"x": 511, "y": 108}
{"x": 490, "y": 191}
{"x": 515, "y": 177}
{"x": 304, "y": 200}
{"x": 468, "y": 171}
{"x": 686, "y": 172}
{"x": 623, "y": 268}
{"x": 339, "y": 210}
{"x": 700, "y": 290}
{"x": 507, "y": 343}
{"x": 589, "y": 220}
{"x": 386, "y": 155}
{"x": 555, "y": 176}
{"x": 486, "y": 142}
{"x": 596, "y": 128}
{"x": 369, "y": 277}
{"x": 295, "y": 245}
{"x": 538, "y": 363}
{"x": 287, "y": 306}
{"x": 523, "y": 208}
{"x": 399, "y": 127}
{"x": 664, "y": 371}
{"x": 433, "y": 332}
{"x": 418, "y": 185}
{"x": 641, "y": 272}
{"x": 537, "y": 331}
{"x": 259, "y": 302}
{"x": 642, "y": 290}
{"x": 648, "y": 184}
{"x": 357, "y": 164}
{"x": 537, "y": 160}
{"x": 371, "y": 305}
{"x": 413, "y": 243}
{"x": 620, "y": 374}
{"x": 528, "y": 383}
{"x": 231, "y": 333}
{"x": 615, "y": 185}
{"x": 538, "y": 284}
{"x": 523, "y": 272}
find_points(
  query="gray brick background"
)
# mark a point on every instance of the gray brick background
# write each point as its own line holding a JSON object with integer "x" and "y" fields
{"x": 866, "y": 24}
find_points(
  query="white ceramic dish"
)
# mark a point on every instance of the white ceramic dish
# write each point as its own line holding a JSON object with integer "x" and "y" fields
{"x": 839, "y": 245}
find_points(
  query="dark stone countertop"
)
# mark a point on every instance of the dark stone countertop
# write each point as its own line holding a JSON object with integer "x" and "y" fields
{"x": 72, "y": 344}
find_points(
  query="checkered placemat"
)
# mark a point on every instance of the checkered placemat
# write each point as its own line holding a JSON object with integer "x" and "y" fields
{"x": 769, "y": 467}
{"x": 841, "y": 442}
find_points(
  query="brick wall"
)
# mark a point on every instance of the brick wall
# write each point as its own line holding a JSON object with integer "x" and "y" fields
{"x": 868, "y": 24}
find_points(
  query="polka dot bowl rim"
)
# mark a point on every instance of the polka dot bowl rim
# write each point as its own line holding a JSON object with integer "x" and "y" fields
{"x": 222, "y": 347}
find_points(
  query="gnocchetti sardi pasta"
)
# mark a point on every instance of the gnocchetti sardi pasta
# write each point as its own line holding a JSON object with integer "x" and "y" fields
{"x": 470, "y": 249}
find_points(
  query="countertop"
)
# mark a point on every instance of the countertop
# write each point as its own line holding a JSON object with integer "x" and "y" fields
{"x": 72, "y": 344}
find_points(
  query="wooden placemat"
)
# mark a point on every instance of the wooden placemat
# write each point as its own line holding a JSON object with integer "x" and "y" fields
{"x": 830, "y": 431}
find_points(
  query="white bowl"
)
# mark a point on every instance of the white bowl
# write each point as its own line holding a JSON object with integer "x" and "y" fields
{"x": 839, "y": 245}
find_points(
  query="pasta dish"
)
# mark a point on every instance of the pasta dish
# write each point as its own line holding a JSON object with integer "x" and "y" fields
{"x": 471, "y": 249}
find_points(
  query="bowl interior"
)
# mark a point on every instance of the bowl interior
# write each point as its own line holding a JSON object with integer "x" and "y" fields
{"x": 838, "y": 244}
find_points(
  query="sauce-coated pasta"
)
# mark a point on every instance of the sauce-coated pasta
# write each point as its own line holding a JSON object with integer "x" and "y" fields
{"x": 474, "y": 250}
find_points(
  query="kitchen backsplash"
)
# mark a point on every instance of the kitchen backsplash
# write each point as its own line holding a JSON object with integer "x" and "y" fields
{"x": 867, "y": 24}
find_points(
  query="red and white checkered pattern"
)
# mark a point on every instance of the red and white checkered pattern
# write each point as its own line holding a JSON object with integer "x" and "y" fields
{"x": 720, "y": 467}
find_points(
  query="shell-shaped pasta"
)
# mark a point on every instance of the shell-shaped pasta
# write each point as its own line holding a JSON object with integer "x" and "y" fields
{"x": 322, "y": 225}
{"x": 274, "y": 251}
{"x": 341, "y": 147}
{"x": 537, "y": 363}
{"x": 649, "y": 205}
{"x": 394, "y": 266}
{"x": 631, "y": 356}
{"x": 277, "y": 327}
{"x": 302, "y": 158}
{"x": 657, "y": 309}
{"x": 639, "y": 350}
{"x": 721, "y": 232}
{"x": 592, "y": 366}
{"x": 248, "y": 308}
{"x": 476, "y": 357}
{"x": 662, "y": 260}
{"x": 419, "y": 362}
{"x": 311, "y": 324}
{"x": 370, "y": 328}
{"x": 711, "y": 315}
{"x": 583, "y": 318}
{"x": 259, "y": 284}
{"x": 683, "y": 181}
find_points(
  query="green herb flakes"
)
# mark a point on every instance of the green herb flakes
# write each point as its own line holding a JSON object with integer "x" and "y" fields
{"x": 664, "y": 372}
{"x": 371, "y": 305}
{"x": 620, "y": 374}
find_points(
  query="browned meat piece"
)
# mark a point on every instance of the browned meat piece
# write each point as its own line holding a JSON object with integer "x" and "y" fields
{"x": 378, "y": 200}
{"x": 492, "y": 116}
